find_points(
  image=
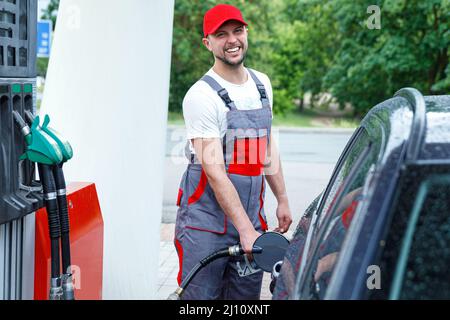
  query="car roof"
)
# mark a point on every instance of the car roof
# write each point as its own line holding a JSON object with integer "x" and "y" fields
{"x": 436, "y": 143}
{"x": 426, "y": 130}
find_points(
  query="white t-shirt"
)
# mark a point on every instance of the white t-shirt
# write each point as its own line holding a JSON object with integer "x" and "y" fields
{"x": 205, "y": 112}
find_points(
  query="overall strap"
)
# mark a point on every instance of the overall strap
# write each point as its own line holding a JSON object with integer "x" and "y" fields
{"x": 222, "y": 92}
{"x": 262, "y": 90}
{"x": 263, "y": 94}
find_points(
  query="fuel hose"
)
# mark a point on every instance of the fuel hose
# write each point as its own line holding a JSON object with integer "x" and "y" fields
{"x": 51, "y": 204}
{"x": 60, "y": 183}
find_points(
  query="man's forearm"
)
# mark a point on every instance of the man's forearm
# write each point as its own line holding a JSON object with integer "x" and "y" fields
{"x": 229, "y": 201}
{"x": 277, "y": 184}
{"x": 274, "y": 172}
{"x": 210, "y": 155}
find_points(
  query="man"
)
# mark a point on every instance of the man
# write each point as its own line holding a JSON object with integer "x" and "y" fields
{"x": 228, "y": 116}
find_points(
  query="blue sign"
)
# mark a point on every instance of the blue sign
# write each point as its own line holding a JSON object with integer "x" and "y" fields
{"x": 44, "y": 38}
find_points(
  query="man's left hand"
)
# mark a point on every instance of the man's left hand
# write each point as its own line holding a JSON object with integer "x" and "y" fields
{"x": 284, "y": 217}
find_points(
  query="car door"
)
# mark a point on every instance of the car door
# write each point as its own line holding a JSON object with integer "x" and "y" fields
{"x": 335, "y": 219}
{"x": 414, "y": 261}
{"x": 308, "y": 229}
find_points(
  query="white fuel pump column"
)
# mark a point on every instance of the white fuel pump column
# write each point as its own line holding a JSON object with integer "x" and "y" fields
{"x": 107, "y": 90}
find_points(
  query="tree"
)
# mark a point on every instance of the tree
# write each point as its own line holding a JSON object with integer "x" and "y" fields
{"x": 410, "y": 50}
{"x": 325, "y": 46}
{"x": 305, "y": 42}
{"x": 51, "y": 12}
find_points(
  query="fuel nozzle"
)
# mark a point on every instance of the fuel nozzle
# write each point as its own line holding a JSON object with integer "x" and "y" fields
{"x": 237, "y": 250}
{"x": 41, "y": 147}
{"x": 67, "y": 286}
{"x": 23, "y": 126}
{"x": 56, "y": 292}
{"x": 29, "y": 117}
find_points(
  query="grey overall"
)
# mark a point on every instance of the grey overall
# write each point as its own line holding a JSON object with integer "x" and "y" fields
{"x": 202, "y": 227}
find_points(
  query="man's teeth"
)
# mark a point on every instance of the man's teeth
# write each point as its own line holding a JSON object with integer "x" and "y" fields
{"x": 233, "y": 49}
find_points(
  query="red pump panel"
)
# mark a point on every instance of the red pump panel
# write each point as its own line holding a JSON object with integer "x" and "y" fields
{"x": 86, "y": 239}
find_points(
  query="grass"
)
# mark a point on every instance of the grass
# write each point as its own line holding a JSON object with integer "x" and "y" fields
{"x": 175, "y": 118}
{"x": 307, "y": 119}
{"x": 312, "y": 119}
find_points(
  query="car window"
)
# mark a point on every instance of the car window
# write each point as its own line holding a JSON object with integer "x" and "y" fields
{"x": 337, "y": 219}
{"x": 324, "y": 202}
{"x": 359, "y": 136}
{"x": 422, "y": 268}
{"x": 336, "y": 188}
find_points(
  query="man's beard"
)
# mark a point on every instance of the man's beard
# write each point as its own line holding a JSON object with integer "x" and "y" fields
{"x": 233, "y": 64}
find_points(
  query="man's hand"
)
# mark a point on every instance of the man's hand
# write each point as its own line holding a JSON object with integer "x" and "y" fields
{"x": 248, "y": 239}
{"x": 325, "y": 264}
{"x": 284, "y": 217}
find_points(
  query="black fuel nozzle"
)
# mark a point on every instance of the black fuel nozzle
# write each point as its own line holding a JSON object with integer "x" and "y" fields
{"x": 237, "y": 250}
{"x": 29, "y": 117}
{"x": 24, "y": 128}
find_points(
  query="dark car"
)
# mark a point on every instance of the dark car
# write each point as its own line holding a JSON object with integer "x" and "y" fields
{"x": 381, "y": 228}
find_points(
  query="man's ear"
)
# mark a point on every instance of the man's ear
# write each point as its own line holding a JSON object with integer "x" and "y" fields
{"x": 207, "y": 44}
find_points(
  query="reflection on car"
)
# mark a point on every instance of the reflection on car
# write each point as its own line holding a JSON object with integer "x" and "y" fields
{"x": 381, "y": 228}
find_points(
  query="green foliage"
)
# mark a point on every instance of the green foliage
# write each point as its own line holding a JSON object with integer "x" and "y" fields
{"x": 41, "y": 66}
{"x": 51, "y": 12}
{"x": 320, "y": 46}
{"x": 410, "y": 50}
{"x": 305, "y": 41}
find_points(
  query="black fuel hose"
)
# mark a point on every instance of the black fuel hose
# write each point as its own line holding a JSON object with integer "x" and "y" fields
{"x": 63, "y": 216}
{"x": 67, "y": 284}
{"x": 204, "y": 262}
{"x": 51, "y": 204}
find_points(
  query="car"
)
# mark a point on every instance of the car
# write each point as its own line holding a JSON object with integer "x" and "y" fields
{"x": 381, "y": 227}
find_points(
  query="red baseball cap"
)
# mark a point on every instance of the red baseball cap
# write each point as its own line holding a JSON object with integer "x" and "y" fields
{"x": 218, "y": 15}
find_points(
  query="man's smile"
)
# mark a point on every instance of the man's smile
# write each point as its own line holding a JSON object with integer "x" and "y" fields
{"x": 233, "y": 50}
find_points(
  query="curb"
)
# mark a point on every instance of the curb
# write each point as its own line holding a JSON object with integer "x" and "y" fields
{"x": 315, "y": 130}
{"x": 305, "y": 130}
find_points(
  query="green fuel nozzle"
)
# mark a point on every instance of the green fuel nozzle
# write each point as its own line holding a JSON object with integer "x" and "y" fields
{"x": 41, "y": 147}
{"x": 63, "y": 144}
